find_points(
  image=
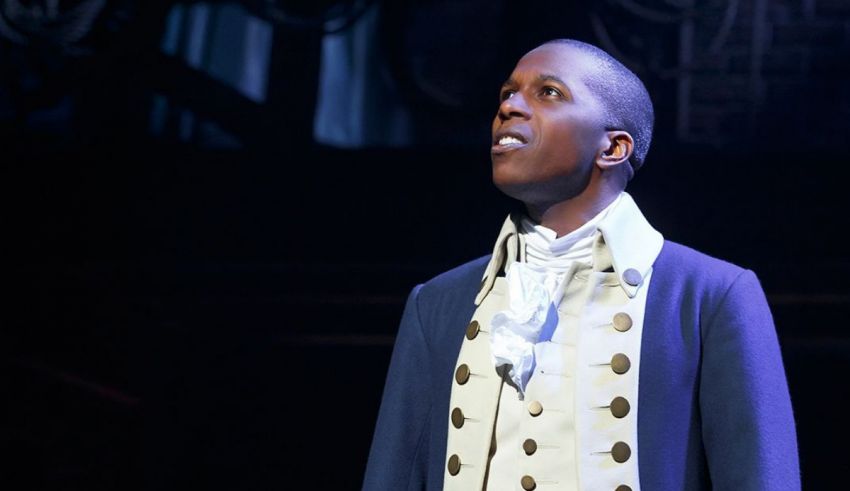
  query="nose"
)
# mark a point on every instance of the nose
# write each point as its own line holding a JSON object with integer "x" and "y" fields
{"x": 514, "y": 107}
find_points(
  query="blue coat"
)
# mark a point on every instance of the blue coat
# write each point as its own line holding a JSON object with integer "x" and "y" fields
{"x": 715, "y": 412}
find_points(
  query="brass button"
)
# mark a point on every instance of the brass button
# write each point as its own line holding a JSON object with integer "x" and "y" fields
{"x": 623, "y": 487}
{"x": 620, "y": 407}
{"x": 622, "y": 321}
{"x": 457, "y": 417}
{"x": 462, "y": 374}
{"x": 621, "y": 452}
{"x": 530, "y": 446}
{"x": 535, "y": 408}
{"x": 528, "y": 483}
{"x": 632, "y": 277}
{"x": 454, "y": 465}
{"x": 620, "y": 363}
{"x": 472, "y": 330}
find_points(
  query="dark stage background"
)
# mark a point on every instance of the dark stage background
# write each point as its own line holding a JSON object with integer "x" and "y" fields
{"x": 215, "y": 210}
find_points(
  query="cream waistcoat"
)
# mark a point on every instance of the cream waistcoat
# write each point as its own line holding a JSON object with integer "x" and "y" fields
{"x": 576, "y": 428}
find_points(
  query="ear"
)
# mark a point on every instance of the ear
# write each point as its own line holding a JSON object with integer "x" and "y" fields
{"x": 617, "y": 149}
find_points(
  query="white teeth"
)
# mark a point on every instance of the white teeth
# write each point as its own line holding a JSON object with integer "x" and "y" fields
{"x": 509, "y": 140}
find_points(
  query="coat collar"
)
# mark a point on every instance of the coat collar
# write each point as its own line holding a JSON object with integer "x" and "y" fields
{"x": 625, "y": 242}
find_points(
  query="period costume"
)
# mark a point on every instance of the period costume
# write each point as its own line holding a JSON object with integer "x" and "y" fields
{"x": 635, "y": 364}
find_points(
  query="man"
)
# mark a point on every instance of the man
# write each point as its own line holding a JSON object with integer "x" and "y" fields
{"x": 586, "y": 352}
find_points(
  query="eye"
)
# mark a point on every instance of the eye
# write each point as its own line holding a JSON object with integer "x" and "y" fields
{"x": 551, "y": 91}
{"x": 506, "y": 94}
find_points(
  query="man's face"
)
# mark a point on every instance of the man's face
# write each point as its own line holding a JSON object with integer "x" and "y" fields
{"x": 549, "y": 128}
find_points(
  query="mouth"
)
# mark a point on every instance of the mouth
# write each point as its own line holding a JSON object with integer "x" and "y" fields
{"x": 507, "y": 141}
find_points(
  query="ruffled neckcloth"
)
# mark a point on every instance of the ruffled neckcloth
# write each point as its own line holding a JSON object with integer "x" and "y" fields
{"x": 534, "y": 290}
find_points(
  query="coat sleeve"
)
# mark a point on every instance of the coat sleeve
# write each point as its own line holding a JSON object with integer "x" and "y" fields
{"x": 748, "y": 426}
{"x": 397, "y": 456}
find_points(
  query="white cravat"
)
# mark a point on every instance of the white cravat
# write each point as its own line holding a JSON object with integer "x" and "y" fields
{"x": 534, "y": 288}
{"x": 555, "y": 254}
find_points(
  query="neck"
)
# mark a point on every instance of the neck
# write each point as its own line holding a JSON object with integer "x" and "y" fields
{"x": 568, "y": 214}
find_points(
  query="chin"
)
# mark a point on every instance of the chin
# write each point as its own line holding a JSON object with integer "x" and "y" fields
{"x": 539, "y": 192}
{"x": 519, "y": 189}
{"x": 506, "y": 173}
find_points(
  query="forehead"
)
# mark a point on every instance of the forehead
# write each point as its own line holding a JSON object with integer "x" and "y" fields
{"x": 565, "y": 62}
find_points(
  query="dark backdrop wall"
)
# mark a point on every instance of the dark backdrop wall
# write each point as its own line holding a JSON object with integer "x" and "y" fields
{"x": 215, "y": 210}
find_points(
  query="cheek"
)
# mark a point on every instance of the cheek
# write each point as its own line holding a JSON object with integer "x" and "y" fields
{"x": 572, "y": 139}
{"x": 558, "y": 146}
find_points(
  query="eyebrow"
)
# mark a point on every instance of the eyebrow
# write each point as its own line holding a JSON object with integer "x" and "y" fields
{"x": 508, "y": 82}
{"x": 546, "y": 77}
{"x": 543, "y": 77}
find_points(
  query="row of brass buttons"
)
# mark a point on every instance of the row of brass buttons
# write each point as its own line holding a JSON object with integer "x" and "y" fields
{"x": 461, "y": 377}
{"x": 620, "y": 364}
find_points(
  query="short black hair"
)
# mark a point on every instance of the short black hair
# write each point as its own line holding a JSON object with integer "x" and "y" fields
{"x": 628, "y": 106}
